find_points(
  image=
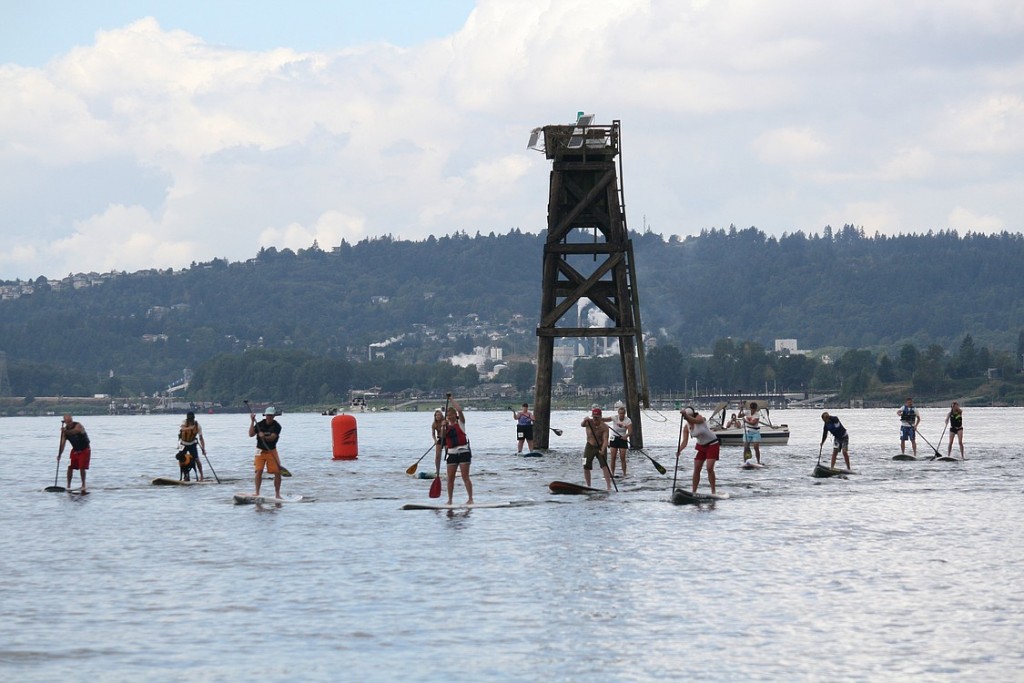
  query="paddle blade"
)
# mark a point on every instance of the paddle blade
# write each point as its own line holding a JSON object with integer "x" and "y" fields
{"x": 746, "y": 452}
{"x": 558, "y": 432}
{"x": 435, "y": 488}
{"x": 412, "y": 468}
{"x": 658, "y": 466}
{"x": 55, "y": 489}
{"x": 285, "y": 472}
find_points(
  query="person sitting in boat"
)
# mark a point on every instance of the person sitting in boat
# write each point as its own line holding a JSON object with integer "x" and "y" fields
{"x": 734, "y": 422}
{"x": 840, "y": 438}
{"x": 752, "y": 432}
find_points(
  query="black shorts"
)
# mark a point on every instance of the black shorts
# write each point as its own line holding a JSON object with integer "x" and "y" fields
{"x": 459, "y": 458}
{"x": 524, "y": 432}
{"x": 619, "y": 442}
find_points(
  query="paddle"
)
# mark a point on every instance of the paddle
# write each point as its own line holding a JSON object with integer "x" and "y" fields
{"x": 657, "y": 465}
{"x": 936, "y": 450}
{"x": 284, "y": 470}
{"x": 210, "y": 465}
{"x": 435, "y": 486}
{"x": 55, "y": 488}
{"x": 940, "y": 441}
{"x": 558, "y": 432}
{"x": 412, "y": 468}
{"x": 675, "y": 472}
{"x": 819, "y": 452}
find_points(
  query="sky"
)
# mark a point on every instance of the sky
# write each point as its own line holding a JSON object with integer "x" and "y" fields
{"x": 138, "y": 135}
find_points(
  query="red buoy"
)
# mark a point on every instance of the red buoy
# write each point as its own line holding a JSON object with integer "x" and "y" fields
{"x": 343, "y": 434}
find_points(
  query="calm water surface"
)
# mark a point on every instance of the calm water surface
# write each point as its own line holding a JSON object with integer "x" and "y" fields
{"x": 906, "y": 570}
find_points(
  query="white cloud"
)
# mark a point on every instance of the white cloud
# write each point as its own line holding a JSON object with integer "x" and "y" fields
{"x": 784, "y": 115}
{"x": 789, "y": 146}
{"x": 963, "y": 221}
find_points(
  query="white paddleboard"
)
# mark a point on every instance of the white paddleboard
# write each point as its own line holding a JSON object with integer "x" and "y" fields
{"x": 252, "y": 498}
{"x": 457, "y": 506}
{"x": 752, "y": 465}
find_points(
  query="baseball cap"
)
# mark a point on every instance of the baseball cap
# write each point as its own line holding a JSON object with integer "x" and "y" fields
{"x": 596, "y": 412}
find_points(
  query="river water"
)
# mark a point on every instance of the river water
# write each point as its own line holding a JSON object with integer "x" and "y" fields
{"x": 904, "y": 570}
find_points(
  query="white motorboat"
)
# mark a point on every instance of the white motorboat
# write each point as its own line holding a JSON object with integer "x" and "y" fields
{"x": 731, "y": 433}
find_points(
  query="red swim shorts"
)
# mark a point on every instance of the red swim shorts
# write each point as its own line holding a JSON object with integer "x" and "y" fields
{"x": 80, "y": 459}
{"x": 708, "y": 451}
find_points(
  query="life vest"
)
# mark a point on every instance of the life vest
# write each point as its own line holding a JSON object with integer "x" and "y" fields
{"x": 184, "y": 459}
{"x": 455, "y": 436}
{"x": 956, "y": 420}
{"x": 907, "y": 416}
{"x": 187, "y": 434}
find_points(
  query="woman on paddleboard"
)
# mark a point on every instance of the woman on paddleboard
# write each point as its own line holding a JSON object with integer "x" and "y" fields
{"x": 955, "y": 420}
{"x": 621, "y": 429}
{"x": 707, "y": 446}
{"x": 459, "y": 454}
{"x": 524, "y": 427}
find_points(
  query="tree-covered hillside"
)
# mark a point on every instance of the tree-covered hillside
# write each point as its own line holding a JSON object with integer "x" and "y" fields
{"x": 138, "y": 332}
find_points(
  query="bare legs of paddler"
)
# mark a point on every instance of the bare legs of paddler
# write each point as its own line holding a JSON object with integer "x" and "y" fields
{"x": 463, "y": 469}
{"x": 697, "y": 464}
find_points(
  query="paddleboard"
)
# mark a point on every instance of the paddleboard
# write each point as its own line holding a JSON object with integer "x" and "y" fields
{"x": 752, "y": 465}
{"x": 681, "y": 497}
{"x": 78, "y": 492}
{"x": 425, "y": 475}
{"x": 169, "y": 481}
{"x": 946, "y": 458}
{"x": 531, "y": 454}
{"x": 904, "y": 456}
{"x": 457, "y": 506}
{"x": 251, "y": 498}
{"x": 568, "y": 488}
{"x": 821, "y": 471}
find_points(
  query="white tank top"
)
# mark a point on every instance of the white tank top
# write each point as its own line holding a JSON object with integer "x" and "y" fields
{"x": 702, "y": 433}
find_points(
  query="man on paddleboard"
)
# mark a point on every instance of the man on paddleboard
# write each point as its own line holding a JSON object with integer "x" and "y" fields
{"x": 74, "y": 432}
{"x": 190, "y": 440}
{"x": 597, "y": 446}
{"x": 909, "y": 419}
{"x": 708, "y": 446}
{"x": 267, "y": 431}
{"x": 840, "y": 438}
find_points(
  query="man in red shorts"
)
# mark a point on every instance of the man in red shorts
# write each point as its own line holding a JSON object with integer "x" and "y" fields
{"x": 74, "y": 433}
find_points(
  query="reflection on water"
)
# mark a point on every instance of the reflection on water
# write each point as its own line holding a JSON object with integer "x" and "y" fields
{"x": 906, "y": 569}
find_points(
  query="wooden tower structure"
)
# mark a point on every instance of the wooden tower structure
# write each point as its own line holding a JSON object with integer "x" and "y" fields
{"x": 588, "y": 261}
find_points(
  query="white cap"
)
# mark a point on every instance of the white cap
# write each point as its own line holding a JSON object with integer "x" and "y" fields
{"x": 270, "y": 411}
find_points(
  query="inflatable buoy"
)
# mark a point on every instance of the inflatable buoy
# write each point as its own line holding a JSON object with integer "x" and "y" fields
{"x": 343, "y": 435}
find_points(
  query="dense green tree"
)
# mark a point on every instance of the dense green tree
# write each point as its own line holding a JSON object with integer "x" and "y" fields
{"x": 885, "y": 371}
{"x": 665, "y": 369}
